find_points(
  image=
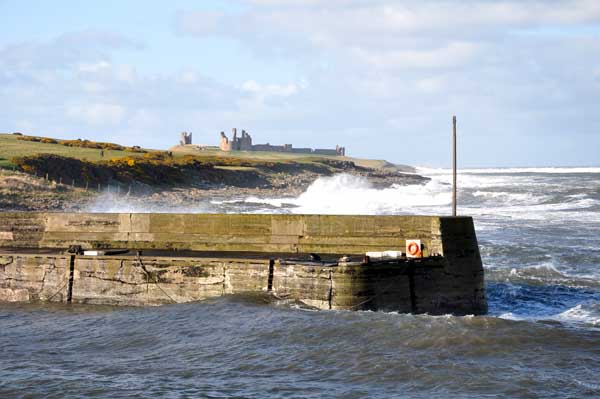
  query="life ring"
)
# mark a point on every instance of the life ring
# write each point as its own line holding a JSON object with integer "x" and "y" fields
{"x": 413, "y": 249}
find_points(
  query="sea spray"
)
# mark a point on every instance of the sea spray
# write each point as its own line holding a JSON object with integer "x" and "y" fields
{"x": 115, "y": 203}
{"x": 346, "y": 194}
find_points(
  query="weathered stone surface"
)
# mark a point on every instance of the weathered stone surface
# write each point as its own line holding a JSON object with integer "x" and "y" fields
{"x": 146, "y": 280}
{"x": 28, "y": 278}
{"x": 304, "y": 283}
{"x": 245, "y": 276}
{"x": 214, "y": 232}
{"x": 371, "y": 287}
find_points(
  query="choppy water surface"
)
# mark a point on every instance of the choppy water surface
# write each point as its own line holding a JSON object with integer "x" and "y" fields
{"x": 539, "y": 233}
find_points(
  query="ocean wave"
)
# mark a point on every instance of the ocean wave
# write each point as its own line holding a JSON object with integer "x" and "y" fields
{"x": 347, "y": 194}
{"x": 113, "y": 203}
{"x": 588, "y": 314}
{"x": 545, "y": 273}
{"x": 510, "y": 198}
{"x": 545, "y": 170}
{"x": 482, "y": 197}
{"x": 581, "y": 315}
{"x": 583, "y": 210}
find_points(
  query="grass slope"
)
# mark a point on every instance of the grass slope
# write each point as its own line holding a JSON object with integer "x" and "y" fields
{"x": 282, "y": 156}
{"x": 11, "y": 147}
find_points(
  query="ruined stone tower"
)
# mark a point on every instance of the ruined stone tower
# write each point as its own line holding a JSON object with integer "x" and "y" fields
{"x": 224, "y": 144}
{"x": 244, "y": 143}
{"x": 186, "y": 138}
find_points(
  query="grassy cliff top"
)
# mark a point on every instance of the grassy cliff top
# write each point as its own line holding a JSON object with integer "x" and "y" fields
{"x": 12, "y": 145}
{"x": 283, "y": 156}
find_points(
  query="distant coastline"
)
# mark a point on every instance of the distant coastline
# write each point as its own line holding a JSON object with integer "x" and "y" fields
{"x": 43, "y": 173}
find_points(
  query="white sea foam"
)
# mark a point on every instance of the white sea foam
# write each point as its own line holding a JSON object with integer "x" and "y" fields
{"x": 510, "y": 198}
{"x": 583, "y": 313}
{"x": 347, "y": 194}
{"x": 510, "y": 316}
{"x": 479, "y": 195}
{"x": 544, "y": 271}
{"x": 113, "y": 203}
{"x": 551, "y": 170}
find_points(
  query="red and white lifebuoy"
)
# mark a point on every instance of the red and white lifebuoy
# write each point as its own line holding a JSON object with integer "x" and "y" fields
{"x": 413, "y": 248}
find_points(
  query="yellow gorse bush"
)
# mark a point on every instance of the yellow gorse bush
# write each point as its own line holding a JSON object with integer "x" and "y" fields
{"x": 82, "y": 143}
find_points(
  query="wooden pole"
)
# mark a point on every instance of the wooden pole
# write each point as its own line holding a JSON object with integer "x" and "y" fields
{"x": 454, "y": 165}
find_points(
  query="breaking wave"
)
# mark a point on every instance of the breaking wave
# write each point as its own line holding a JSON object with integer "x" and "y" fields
{"x": 545, "y": 273}
{"x": 347, "y": 194}
{"x": 113, "y": 203}
{"x": 503, "y": 196}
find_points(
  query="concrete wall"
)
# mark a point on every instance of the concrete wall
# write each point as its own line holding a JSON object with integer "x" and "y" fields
{"x": 133, "y": 281}
{"x": 216, "y": 232}
{"x": 34, "y": 278}
{"x": 449, "y": 283}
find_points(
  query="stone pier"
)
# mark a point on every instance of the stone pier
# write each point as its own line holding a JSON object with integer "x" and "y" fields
{"x": 176, "y": 258}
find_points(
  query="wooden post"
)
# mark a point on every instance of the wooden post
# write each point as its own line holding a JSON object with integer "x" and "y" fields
{"x": 454, "y": 165}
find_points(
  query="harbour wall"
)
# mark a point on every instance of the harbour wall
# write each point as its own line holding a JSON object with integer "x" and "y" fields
{"x": 208, "y": 255}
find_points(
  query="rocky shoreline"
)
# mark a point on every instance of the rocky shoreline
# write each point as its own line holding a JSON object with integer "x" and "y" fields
{"x": 23, "y": 192}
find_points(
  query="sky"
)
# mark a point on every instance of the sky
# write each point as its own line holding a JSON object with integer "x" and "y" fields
{"x": 380, "y": 77}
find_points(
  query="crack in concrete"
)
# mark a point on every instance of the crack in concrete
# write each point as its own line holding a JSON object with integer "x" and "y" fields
{"x": 3, "y": 265}
{"x": 330, "y": 295}
{"x": 87, "y": 275}
{"x": 43, "y": 280}
{"x": 224, "y": 279}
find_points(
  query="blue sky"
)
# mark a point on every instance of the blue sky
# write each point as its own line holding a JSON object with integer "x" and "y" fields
{"x": 381, "y": 77}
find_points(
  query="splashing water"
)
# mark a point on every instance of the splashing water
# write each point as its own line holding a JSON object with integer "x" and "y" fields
{"x": 351, "y": 195}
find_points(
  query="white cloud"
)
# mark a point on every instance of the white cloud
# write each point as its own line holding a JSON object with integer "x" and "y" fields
{"x": 451, "y": 55}
{"x": 97, "y": 114}
{"x": 94, "y": 67}
{"x": 270, "y": 89}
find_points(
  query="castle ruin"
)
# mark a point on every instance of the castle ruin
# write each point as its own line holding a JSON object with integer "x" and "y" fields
{"x": 244, "y": 143}
{"x": 186, "y": 138}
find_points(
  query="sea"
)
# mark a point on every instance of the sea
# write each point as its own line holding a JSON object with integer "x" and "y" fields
{"x": 539, "y": 237}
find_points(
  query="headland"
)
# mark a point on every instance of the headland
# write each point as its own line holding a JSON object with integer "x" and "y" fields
{"x": 43, "y": 173}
